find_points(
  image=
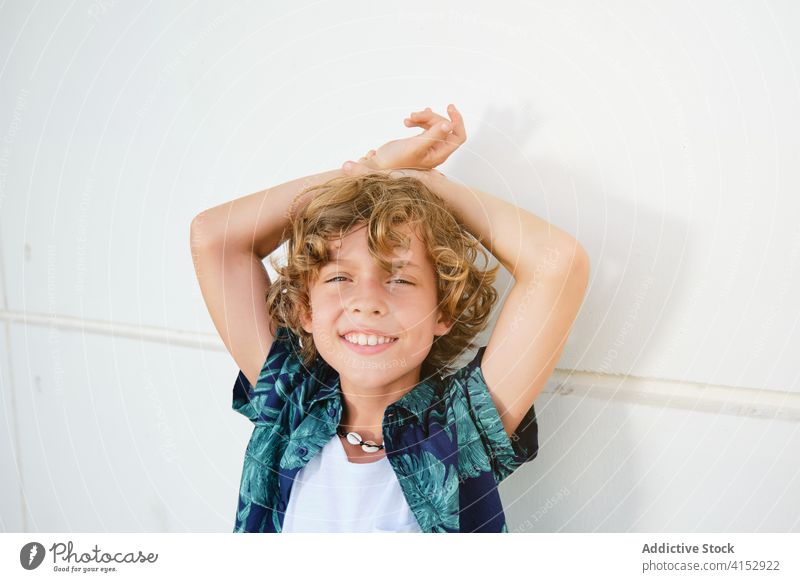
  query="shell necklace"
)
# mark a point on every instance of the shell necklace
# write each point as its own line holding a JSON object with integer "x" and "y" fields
{"x": 355, "y": 439}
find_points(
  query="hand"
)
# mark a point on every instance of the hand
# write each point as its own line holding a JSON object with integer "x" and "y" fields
{"x": 424, "y": 151}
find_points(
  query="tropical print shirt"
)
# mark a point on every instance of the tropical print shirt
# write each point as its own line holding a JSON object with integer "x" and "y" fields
{"x": 444, "y": 439}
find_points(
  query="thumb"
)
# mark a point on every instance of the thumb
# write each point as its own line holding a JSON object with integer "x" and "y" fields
{"x": 439, "y": 131}
{"x": 352, "y": 168}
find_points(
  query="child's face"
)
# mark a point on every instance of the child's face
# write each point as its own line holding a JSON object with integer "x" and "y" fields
{"x": 352, "y": 292}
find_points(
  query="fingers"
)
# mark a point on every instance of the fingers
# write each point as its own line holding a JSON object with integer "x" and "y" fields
{"x": 428, "y": 118}
{"x": 453, "y": 135}
{"x": 458, "y": 121}
{"x": 424, "y": 118}
{"x": 433, "y": 122}
{"x": 442, "y": 136}
{"x": 459, "y": 134}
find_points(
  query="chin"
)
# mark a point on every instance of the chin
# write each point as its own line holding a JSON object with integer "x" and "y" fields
{"x": 373, "y": 374}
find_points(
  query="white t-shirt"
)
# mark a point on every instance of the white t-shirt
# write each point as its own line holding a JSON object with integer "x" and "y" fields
{"x": 331, "y": 494}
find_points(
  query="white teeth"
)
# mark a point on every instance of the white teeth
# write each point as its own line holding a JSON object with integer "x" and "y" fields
{"x": 367, "y": 340}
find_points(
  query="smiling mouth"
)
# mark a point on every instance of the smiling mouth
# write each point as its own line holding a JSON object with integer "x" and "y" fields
{"x": 368, "y": 345}
{"x": 369, "y": 350}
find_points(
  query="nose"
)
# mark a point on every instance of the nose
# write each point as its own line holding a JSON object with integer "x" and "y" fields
{"x": 367, "y": 297}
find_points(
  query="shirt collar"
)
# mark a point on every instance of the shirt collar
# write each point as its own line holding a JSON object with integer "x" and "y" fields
{"x": 415, "y": 402}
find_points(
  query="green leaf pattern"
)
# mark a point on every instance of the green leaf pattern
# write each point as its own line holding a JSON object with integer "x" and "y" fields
{"x": 430, "y": 489}
{"x": 287, "y": 396}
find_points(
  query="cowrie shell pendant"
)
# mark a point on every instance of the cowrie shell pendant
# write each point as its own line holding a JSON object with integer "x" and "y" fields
{"x": 367, "y": 446}
{"x": 370, "y": 447}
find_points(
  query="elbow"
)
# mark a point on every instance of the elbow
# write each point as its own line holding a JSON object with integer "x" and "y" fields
{"x": 579, "y": 268}
{"x": 564, "y": 259}
{"x": 571, "y": 258}
{"x": 578, "y": 271}
{"x": 581, "y": 259}
{"x": 200, "y": 234}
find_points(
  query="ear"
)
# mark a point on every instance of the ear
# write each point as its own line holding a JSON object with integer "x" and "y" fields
{"x": 443, "y": 325}
{"x": 305, "y": 320}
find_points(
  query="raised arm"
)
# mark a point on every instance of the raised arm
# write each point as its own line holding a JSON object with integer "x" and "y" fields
{"x": 551, "y": 273}
{"x": 550, "y": 269}
{"x": 228, "y": 244}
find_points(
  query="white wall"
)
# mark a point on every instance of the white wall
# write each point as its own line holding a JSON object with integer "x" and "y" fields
{"x": 664, "y": 136}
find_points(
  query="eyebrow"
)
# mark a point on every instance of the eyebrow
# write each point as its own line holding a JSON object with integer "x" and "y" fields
{"x": 400, "y": 264}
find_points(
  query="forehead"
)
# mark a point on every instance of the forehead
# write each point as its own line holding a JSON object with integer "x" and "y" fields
{"x": 353, "y": 249}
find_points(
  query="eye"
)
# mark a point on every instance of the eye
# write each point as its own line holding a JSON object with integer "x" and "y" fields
{"x": 394, "y": 280}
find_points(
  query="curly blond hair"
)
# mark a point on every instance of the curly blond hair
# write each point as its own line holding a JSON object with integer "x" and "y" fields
{"x": 465, "y": 293}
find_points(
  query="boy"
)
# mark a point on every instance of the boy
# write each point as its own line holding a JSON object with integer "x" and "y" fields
{"x": 358, "y": 426}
